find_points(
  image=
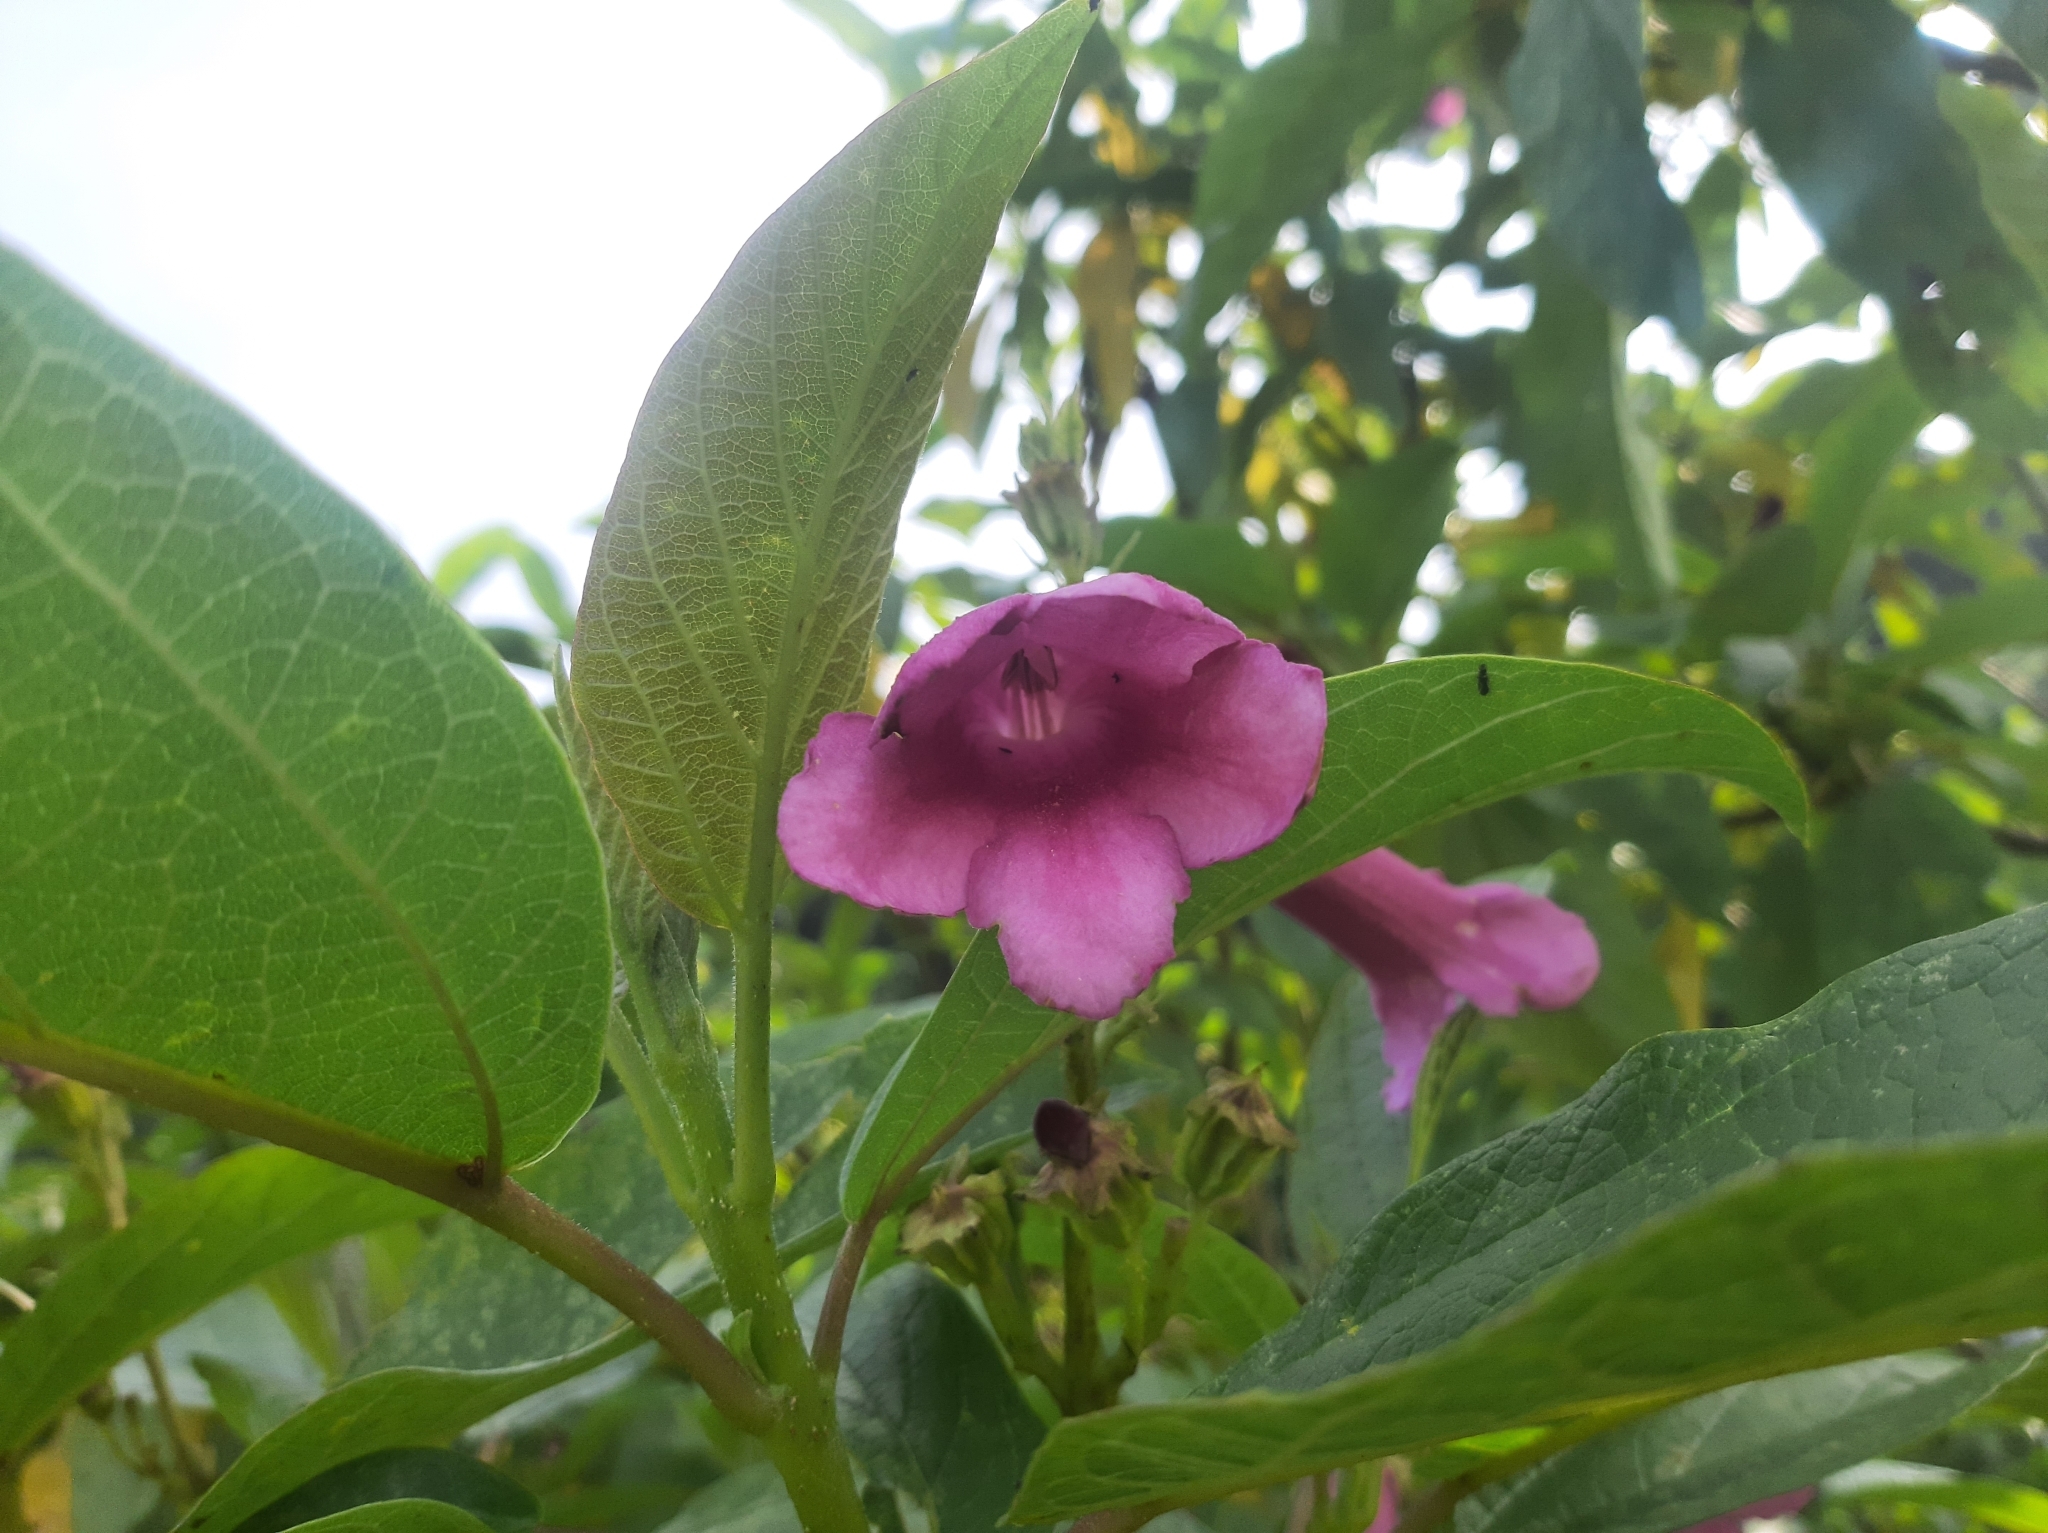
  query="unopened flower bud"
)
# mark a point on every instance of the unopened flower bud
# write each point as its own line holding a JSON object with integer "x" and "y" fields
{"x": 963, "y": 1230}
{"x": 1229, "y": 1137}
{"x": 1091, "y": 1173}
{"x": 1050, "y": 496}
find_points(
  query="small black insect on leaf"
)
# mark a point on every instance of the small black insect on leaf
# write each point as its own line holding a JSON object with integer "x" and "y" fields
{"x": 1485, "y": 681}
{"x": 907, "y": 377}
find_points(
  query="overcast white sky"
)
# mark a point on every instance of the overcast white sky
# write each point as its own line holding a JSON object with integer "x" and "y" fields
{"x": 439, "y": 246}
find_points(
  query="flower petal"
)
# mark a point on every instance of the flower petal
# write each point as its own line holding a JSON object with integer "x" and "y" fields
{"x": 1133, "y": 621}
{"x": 859, "y": 819}
{"x": 1246, "y": 758}
{"x": 1085, "y": 899}
{"x": 1526, "y": 952}
{"x": 1412, "y": 1003}
{"x": 1771, "y": 1506}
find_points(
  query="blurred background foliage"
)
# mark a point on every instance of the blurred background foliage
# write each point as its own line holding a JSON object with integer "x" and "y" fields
{"x": 1575, "y": 461}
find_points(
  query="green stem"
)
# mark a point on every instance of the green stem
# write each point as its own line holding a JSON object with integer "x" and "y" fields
{"x": 503, "y": 1206}
{"x": 1082, "y": 1342}
{"x": 657, "y": 1115}
{"x": 190, "y": 1471}
{"x": 753, "y": 1181}
{"x": 804, "y": 1442}
{"x": 685, "y": 1064}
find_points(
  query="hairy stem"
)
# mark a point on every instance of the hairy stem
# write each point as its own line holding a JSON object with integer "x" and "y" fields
{"x": 804, "y": 1440}
{"x": 753, "y": 1180}
{"x": 656, "y": 1114}
{"x": 503, "y": 1206}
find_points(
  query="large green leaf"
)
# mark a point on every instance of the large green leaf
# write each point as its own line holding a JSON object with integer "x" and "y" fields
{"x": 1227, "y": 1285}
{"x": 408, "y": 1515}
{"x": 1819, "y": 1260}
{"x": 1407, "y": 744}
{"x": 1851, "y": 458}
{"x": 395, "y": 1475}
{"x": 1575, "y": 88}
{"x": 1374, "y": 535}
{"x": 274, "y": 825}
{"x": 1737, "y": 1446}
{"x": 1843, "y": 96}
{"x": 187, "y": 1247}
{"x": 1982, "y": 1499}
{"x": 736, "y": 575}
{"x": 1896, "y": 865}
{"x": 1941, "y": 1039}
{"x": 398, "y": 1408}
{"x": 929, "y": 1405}
{"x": 1577, "y": 433}
{"x": 1353, "y": 1155}
{"x": 2012, "y": 164}
{"x": 2007, "y": 612}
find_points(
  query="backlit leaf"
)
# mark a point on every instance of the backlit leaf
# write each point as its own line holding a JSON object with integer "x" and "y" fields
{"x": 274, "y": 825}
{"x": 736, "y": 576}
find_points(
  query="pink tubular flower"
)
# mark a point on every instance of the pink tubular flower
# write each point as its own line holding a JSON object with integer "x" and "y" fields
{"x": 1427, "y": 946}
{"x": 1053, "y": 764}
{"x": 1771, "y": 1506}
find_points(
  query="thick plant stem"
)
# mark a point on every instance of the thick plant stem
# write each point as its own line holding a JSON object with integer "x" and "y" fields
{"x": 502, "y": 1205}
{"x": 753, "y": 1180}
{"x": 803, "y": 1440}
{"x": 657, "y": 1116}
{"x": 671, "y": 1075}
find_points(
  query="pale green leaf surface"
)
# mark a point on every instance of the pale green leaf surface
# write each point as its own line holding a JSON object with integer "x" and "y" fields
{"x": 1407, "y": 744}
{"x": 1227, "y": 1285}
{"x": 407, "y": 1515}
{"x": 2005, "y": 612}
{"x": 735, "y": 579}
{"x": 1737, "y": 1446}
{"x": 928, "y": 1404}
{"x": 1820, "y": 1260}
{"x": 1576, "y": 94}
{"x": 1997, "y": 1503}
{"x": 481, "y": 552}
{"x": 398, "y": 1408}
{"x": 186, "y": 1248}
{"x": 2012, "y": 164}
{"x": 1353, "y": 1155}
{"x": 1851, "y": 458}
{"x": 388, "y": 1476}
{"x": 273, "y": 822}
{"x": 1577, "y": 432}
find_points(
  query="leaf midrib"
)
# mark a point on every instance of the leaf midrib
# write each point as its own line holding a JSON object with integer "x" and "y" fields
{"x": 241, "y": 733}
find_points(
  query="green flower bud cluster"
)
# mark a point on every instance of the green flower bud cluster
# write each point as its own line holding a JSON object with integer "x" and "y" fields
{"x": 964, "y": 1230}
{"x": 1092, "y": 1174}
{"x": 1050, "y": 495}
{"x": 1228, "y": 1139}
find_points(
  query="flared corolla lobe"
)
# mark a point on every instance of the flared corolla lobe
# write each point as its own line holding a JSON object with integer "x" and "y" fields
{"x": 1053, "y": 764}
{"x": 1427, "y": 946}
